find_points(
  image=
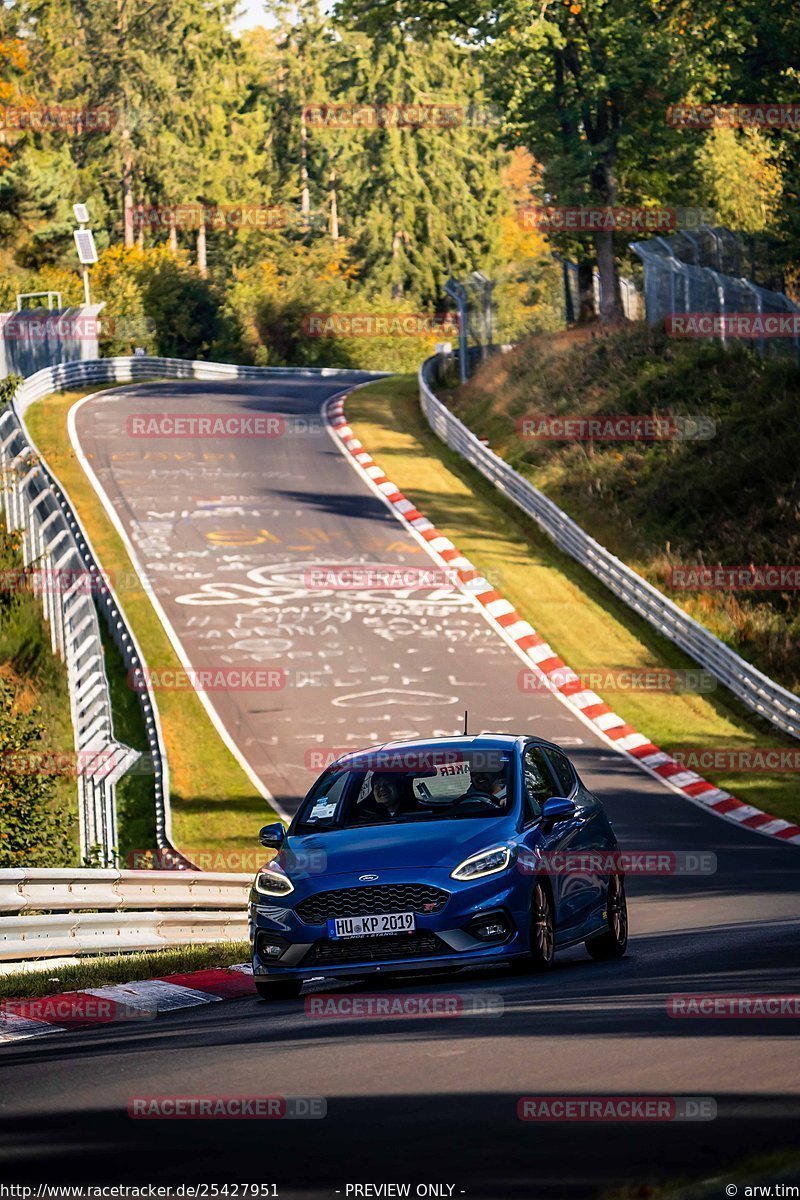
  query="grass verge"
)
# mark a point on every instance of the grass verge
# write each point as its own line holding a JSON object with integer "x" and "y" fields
{"x": 121, "y": 968}
{"x": 665, "y": 506}
{"x": 585, "y": 624}
{"x": 214, "y": 805}
{"x": 766, "y": 1170}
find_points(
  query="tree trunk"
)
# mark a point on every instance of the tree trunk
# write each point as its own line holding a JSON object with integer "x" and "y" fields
{"x": 127, "y": 190}
{"x": 334, "y": 222}
{"x": 305, "y": 199}
{"x": 202, "y": 262}
{"x": 611, "y": 310}
{"x": 173, "y": 235}
{"x": 126, "y": 148}
{"x": 604, "y": 182}
{"x": 397, "y": 287}
{"x": 586, "y": 307}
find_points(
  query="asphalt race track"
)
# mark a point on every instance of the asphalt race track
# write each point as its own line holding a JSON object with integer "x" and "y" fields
{"x": 226, "y": 532}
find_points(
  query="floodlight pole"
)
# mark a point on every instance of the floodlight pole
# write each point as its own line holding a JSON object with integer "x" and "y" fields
{"x": 457, "y": 291}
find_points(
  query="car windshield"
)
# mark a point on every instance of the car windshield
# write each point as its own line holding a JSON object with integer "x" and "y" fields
{"x": 426, "y": 787}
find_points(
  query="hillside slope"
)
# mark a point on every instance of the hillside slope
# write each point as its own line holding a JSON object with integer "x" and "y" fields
{"x": 731, "y": 500}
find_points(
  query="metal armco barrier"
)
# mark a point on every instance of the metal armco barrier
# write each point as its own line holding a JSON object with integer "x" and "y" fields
{"x": 139, "y": 910}
{"x": 760, "y": 693}
{"x": 54, "y": 539}
{"x": 65, "y": 578}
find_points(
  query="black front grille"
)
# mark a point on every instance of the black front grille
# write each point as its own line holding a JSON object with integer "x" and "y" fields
{"x": 376, "y": 949}
{"x": 365, "y": 901}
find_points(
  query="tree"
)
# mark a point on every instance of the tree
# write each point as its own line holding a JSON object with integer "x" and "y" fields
{"x": 426, "y": 202}
{"x": 32, "y": 832}
{"x": 742, "y": 178}
{"x": 585, "y": 86}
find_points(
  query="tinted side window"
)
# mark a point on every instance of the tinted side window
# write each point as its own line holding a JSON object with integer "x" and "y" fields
{"x": 536, "y": 781}
{"x": 562, "y": 768}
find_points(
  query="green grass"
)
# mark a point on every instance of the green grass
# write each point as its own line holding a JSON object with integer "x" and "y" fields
{"x": 584, "y": 623}
{"x": 214, "y": 805}
{"x": 732, "y": 499}
{"x": 121, "y": 968}
{"x": 781, "y": 1166}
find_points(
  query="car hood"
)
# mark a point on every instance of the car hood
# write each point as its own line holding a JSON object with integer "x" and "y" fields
{"x": 377, "y": 848}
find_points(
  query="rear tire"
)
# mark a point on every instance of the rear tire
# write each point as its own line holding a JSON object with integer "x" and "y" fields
{"x": 543, "y": 941}
{"x": 614, "y": 942}
{"x": 279, "y": 989}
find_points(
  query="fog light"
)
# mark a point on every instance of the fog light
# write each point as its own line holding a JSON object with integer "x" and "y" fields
{"x": 270, "y": 946}
{"x": 495, "y": 930}
{"x": 490, "y": 927}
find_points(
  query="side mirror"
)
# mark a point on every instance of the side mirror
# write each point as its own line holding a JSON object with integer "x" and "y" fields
{"x": 272, "y": 836}
{"x": 558, "y": 808}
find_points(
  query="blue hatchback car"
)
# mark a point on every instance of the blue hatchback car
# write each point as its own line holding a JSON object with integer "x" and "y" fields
{"x": 445, "y": 853}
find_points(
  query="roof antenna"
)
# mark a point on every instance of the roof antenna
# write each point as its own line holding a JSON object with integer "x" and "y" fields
{"x": 465, "y": 722}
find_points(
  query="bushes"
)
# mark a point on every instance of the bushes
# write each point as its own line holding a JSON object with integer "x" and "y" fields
{"x": 37, "y": 797}
{"x": 158, "y": 302}
{"x": 34, "y": 831}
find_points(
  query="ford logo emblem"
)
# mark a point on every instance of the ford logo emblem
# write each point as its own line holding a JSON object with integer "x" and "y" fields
{"x": 367, "y": 878}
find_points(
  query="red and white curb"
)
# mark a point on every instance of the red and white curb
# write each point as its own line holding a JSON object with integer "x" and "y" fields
{"x": 145, "y": 999}
{"x": 561, "y": 680}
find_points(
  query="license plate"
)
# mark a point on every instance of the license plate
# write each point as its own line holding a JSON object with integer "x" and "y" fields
{"x": 373, "y": 926}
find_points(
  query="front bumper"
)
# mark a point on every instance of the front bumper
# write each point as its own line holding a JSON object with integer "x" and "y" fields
{"x": 445, "y": 939}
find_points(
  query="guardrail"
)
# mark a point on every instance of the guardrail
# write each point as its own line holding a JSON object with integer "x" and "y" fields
{"x": 761, "y": 694}
{"x": 55, "y": 540}
{"x": 57, "y": 913}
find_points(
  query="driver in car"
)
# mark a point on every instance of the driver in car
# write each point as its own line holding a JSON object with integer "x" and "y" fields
{"x": 489, "y": 786}
{"x": 384, "y": 800}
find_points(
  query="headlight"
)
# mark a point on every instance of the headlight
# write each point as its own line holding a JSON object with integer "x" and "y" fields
{"x": 488, "y": 862}
{"x": 271, "y": 882}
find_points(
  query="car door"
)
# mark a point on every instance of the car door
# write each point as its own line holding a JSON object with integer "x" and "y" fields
{"x": 588, "y": 842}
{"x": 552, "y": 839}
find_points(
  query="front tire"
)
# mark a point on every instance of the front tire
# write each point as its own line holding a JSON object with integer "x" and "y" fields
{"x": 279, "y": 989}
{"x": 543, "y": 939}
{"x": 614, "y": 942}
